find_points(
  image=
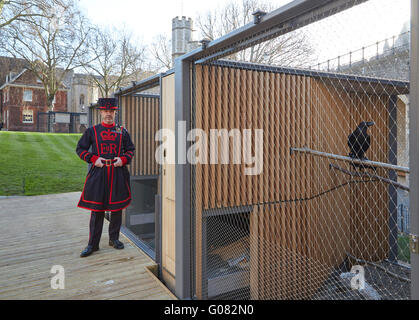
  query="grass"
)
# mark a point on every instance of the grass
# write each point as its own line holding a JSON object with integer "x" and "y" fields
{"x": 404, "y": 248}
{"x": 33, "y": 163}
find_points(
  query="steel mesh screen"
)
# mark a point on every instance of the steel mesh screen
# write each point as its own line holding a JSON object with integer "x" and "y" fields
{"x": 300, "y": 181}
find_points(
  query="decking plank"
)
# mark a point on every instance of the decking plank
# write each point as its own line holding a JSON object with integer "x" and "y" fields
{"x": 42, "y": 231}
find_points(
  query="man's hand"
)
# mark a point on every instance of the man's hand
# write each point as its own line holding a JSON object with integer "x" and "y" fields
{"x": 118, "y": 162}
{"x": 99, "y": 163}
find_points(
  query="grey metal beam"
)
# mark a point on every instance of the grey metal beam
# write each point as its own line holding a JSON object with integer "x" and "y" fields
{"x": 350, "y": 160}
{"x": 400, "y": 87}
{"x": 414, "y": 142}
{"x": 283, "y": 20}
{"x": 149, "y": 82}
{"x": 183, "y": 180}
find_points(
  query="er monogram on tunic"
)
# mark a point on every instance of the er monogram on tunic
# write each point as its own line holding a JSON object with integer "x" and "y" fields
{"x": 106, "y": 188}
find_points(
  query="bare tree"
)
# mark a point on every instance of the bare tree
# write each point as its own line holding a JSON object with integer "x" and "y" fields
{"x": 161, "y": 51}
{"x": 292, "y": 49}
{"x": 17, "y": 10}
{"x": 115, "y": 59}
{"x": 52, "y": 39}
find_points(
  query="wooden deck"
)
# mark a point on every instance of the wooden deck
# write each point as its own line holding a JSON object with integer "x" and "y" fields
{"x": 37, "y": 233}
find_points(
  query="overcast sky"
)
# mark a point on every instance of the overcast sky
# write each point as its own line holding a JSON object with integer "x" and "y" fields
{"x": 350, "y": 30}
{"x": 146, "y": 18}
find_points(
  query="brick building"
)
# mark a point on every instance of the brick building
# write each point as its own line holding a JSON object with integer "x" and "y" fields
{"x": 22, "y": 98}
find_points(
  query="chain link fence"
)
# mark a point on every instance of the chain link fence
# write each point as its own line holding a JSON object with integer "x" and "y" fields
{"x": 302, "y": 178}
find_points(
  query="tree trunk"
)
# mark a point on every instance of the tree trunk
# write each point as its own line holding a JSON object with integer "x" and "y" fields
{"x": 51, "y": 116}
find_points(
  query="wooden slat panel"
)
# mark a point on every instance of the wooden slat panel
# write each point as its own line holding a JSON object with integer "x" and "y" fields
{"x": 156, "y": 108}
{"x": 225, "y": 118}
{"x": 146, "y": 123}
{"x": 136, "y": 134}
{"x": 212, "y": 112}
{"x": 142, "y": 133}
{"x": 205, "y": 127}
{"x": 130, "y": 126}
{"x": 198, "y": 188}
{"x": 141, "y": 118}
{"x": 295, "y": 245}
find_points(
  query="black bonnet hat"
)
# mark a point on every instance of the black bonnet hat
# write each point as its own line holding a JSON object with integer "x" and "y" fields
{"x": 108, "y": 103}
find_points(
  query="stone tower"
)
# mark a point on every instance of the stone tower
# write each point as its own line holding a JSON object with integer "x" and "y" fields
{"x": 182, "y": 37}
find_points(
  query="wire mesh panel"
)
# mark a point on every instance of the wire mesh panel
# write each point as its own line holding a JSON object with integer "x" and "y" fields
{"x": 301, "y": 173}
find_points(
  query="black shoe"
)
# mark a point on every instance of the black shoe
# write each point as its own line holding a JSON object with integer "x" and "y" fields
{"x": 88, "y": 251}
{"x": 116, "y": 244}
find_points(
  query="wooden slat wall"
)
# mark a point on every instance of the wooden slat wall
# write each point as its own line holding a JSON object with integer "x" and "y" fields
{"x": 293, "y": 245}
{"x": 370, "y": 215}
{"x": 140, "y": 116}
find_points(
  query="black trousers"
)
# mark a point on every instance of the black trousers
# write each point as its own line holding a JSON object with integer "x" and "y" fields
{"x": 96, "y": 226}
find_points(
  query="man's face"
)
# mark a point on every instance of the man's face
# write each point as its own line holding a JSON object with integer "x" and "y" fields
{"x": 108, "y": 116}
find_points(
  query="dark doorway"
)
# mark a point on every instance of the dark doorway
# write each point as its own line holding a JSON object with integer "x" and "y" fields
{"x": 140, "y": 215}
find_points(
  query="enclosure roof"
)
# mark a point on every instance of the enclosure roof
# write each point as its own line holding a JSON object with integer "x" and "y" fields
{"x": 136, "y": 86}
{"x": 348, "y": 82}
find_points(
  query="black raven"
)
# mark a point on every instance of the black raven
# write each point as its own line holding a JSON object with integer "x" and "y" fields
{"x": 359, "y": 142}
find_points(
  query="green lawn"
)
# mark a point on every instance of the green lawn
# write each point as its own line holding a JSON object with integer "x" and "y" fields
{"x": 404, "y": 248}
{"x": 33, "y": 163}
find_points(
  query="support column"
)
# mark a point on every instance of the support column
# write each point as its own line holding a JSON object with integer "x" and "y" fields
{"x": 414, "y": 142}
{"x": 183, "y": 179}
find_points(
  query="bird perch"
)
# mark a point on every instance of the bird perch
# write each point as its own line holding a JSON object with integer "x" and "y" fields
{"x": 351, "y": 160}
{"x": 365, "y": 174}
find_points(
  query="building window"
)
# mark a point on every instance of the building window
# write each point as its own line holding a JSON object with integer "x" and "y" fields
{"x": 6, "y": 96}
{"x": 27, "y": 116}
{"x": 27, "y": 95}
{"x": 81, "y": 102}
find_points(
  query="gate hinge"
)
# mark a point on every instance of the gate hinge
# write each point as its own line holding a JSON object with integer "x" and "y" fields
{"x": 414, "y": 243}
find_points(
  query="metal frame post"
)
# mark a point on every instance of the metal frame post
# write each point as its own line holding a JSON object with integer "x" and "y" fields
{"x": 414, "y": 142}
{"x": 183, "y": 179}
{"x": 159, "y": 199}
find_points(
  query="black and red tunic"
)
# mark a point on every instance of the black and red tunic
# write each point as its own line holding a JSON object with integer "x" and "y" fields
{"x": 106, "y": 188}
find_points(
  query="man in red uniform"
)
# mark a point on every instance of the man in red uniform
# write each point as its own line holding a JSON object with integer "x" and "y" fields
{"x": 107, "y": 187}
